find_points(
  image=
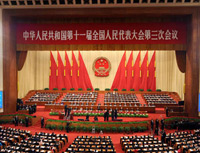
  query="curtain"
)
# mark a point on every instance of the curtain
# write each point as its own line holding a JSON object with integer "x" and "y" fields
{"x": 35, "y": 73}
{"x": 120, "y": 77}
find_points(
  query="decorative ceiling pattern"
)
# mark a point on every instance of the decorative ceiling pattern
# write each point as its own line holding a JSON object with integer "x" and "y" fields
{"x": 94, "y": 3}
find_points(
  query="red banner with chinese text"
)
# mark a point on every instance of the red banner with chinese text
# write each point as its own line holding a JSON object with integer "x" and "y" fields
{"x": 102, "y": 33}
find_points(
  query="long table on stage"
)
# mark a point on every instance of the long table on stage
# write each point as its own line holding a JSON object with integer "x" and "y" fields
{"x": 78, "y": 107}
{"x": 165, "y": 105}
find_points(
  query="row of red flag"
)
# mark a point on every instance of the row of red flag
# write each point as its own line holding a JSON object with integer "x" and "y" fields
{"x": 68, "y": 76}
{"x": 136, "y": 76}
{"x": 128, "y": 76}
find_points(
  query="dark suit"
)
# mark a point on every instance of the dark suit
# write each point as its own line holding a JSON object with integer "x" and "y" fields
{"x": 104, "y": 115}
{"x": 67, "y": 127}
{"x": 162, "y": 124}
{"x": 152, "y": 124}
{"x": 87, "y": 117}
{"x": 16, "y": 120}
{"x": 156, "y": 131}
{"x": 157, "y": 123}
{"x": 167, "y": 111}
{"x": 115, "y": 113}
{"x": 69, "y": 111}
{"x": 66, "y": 110}
{"x": 26, "y": 121}
{"x": 42, "y": 122}
{"x": 163, "y": 137}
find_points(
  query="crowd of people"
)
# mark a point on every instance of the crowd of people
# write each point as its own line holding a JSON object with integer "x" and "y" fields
{"x": 30, "y": 108}
{"x": 113, "y": 115}
{"x": 17, "y": 121}
{"x": 158, "y": 129}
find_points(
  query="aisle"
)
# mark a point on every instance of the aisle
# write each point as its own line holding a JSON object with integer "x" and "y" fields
{"x": 100, "y": 99}
{"x": 140, "y": 98}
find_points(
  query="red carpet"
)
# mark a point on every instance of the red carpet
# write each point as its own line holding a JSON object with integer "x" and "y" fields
{"x": 141, "y": 99}
{"x": 71, "y": 136}
{"x": 100, "y": 99}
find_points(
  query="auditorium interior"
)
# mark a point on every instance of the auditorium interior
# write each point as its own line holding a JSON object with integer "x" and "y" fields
{"x": 113, "y": 76}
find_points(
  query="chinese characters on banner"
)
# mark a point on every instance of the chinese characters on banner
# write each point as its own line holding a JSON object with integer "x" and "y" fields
{"x": 102, "y": 33}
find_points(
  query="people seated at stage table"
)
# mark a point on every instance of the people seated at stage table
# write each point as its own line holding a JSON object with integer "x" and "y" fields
{"x": 144, "y": 144}
{"x": 188, "y": 141}
{"x": 43, "y": 97}
{"x": 159, "y": 99}
{"x": 88, "y": 98}
{"x": 121, "y": 99}
{"x": 83, "y": 97}
{"x": 15, "y": 140}
{"x": 91, "y": 144}
{"x": 30, "y": 108}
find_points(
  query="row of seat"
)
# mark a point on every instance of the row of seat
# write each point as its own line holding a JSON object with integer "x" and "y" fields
{"x": 22, "y": 141}
{"x": 158, "y": 99}
{"x": 187, "y": 142}
{"x": 91, "y": 144}
{"x": 43, "y": 97}
{"x": 144, "y": 144}
{"x": 80, "y": 97}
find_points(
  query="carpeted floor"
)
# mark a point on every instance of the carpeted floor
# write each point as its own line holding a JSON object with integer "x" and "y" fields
{"x": 160, "y": 113}
{"x": 114, "y": 136}
{"x": 72, "y": 135}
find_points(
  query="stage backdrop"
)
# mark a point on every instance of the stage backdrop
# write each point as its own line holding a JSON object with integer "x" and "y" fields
{"x": 35, "y": 73}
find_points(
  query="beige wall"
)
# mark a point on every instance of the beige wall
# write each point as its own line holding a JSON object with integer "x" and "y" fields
{"x": 35, "y": 73}
{"x": 1, "y": 54}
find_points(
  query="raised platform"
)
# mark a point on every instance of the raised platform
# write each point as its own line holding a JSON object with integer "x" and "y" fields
{"x": 123, "y": 106}
{"x": 170, "y": 114}
{"x": 49, "y": 107}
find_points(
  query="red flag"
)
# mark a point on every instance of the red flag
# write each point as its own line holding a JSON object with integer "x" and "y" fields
{"x": 60, "y": 75}
{"x": 74, "y": 72}
{"x": 144, "y": 72}
{"x": 136, "y": 73}
{"x": 130, "y": 72}
{"x": 120, "y": 77}
{"x": 152, "y": 70}
{"x": 84, "y": 79}
{"x": 67, "y": 73}
{"x": 53, "y": 69}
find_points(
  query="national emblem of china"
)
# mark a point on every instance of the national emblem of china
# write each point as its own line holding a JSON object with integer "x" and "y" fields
{"x": 101, "y": 67}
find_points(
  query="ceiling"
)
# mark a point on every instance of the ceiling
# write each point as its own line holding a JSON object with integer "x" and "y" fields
{"x": 95, "y": 3}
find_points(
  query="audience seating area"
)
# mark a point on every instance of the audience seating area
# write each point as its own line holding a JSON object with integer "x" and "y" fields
{"x": 83, "y": 99}
{"x": 15, "y": 140}
{"x": 119, "y": 99}
{"x": 21, "y": 108}
{"x": 91, "y": 144}
{"x": 44, "y": 97}
{"x": 144, "y": 144}
{"x": 159, "y": 99}
{"x": 186, "y": 141}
